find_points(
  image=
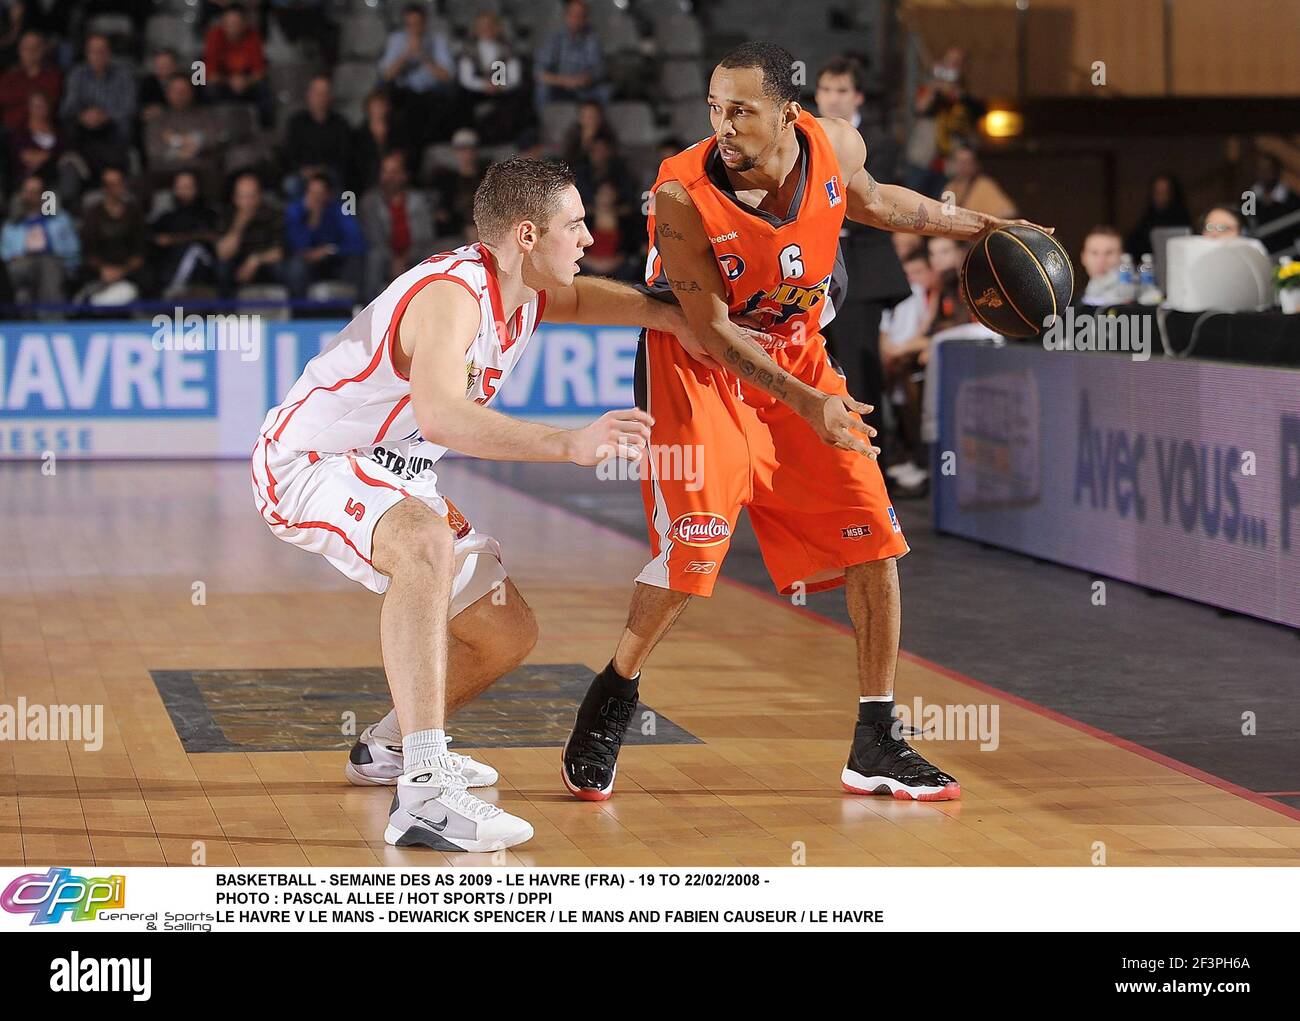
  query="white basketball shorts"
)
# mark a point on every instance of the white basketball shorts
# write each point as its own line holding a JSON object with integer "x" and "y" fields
{"x": 330, "y": 504}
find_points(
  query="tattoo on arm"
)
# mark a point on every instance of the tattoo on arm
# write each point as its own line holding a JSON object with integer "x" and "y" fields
{"x": 922, "y": 217}
{"x": 667, "y": 231}
{"x": 775, "y": 385}
{"x": 689, "y": 286}
{"x": 871, "y": 187}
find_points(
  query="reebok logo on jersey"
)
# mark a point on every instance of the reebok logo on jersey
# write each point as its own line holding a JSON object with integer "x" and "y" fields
{"x": 702, "y": 528}
{"x": 725, "y": 237}
{"x": 700, "y": 567}
{"x": 855, "y": 531}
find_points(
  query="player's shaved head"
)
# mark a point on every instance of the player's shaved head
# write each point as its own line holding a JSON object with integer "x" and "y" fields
{"x": 775, "y": 65}
{"x": 519, "y": 189}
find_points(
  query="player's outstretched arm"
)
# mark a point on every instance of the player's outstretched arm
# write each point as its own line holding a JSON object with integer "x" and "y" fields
{"x": 437, "y": 329}
{"x": 598, "y": 301}
{"x": 893, "y": 207}
{"x": 693, "y": 274}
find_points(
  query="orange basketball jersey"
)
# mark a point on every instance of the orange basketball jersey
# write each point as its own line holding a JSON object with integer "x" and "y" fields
{"x": 778, "y": 271}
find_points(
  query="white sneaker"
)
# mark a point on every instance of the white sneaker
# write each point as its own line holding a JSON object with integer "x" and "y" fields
{"x": 432, "y": 808}
{"x": 908, "y": 475}
{"x": 376, "y": 763}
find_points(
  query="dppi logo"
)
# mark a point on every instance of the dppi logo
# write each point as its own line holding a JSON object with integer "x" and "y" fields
{"x": 783, "y": 302}
{"x": 47, "y": 898}
{"x": 732, "y": 265}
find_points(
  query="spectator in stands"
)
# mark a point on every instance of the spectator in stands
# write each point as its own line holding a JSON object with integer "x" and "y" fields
{"x": 235, "y": 62}
{"x": 974, "y": 189}
{"x": 904, "y": 341}
{"x": 491, "y": 75}
{"x": 875, "y": 278}
{"x": 418, "y": 67}
{"x": 37, "y": 149}
{"x": 31, "y": 74}
{"x": 184, "y": 134}
{"x": 589, "y": 125}
{"x": 11, "y": 26}
{"x": 250, "y": 245}
{"x": 317, "y": 139}
{"x": 153, "y": 86}
{"x": 380, "y": 132}
{"x": 39, "y": 246}
{"x": 1220, "y": 222}
{"x": 1166, "y": 207}
{"x": 615, "y": 236}
{"x": 946, "y": 117}
{"x": 600, "y": 165}
{"x": 182, "y": 237}
{"x": 1102, "y": 250}
{"x": 1274, "y": 199}
{"x": 906, "y": 245}
{"x": 946, "y": 257}
{"x": 113, "y": 244}
{"x": 453, "y": 187}
{"x": 324, "y": 240}
{"x": 300, "y": 19}
{"x": 99, "y": 105}
{"x": 397, "y": 222}
{"x": 570, "y": 65}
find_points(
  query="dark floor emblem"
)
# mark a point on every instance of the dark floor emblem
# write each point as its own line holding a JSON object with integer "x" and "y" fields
{"x": 302, "y": 710}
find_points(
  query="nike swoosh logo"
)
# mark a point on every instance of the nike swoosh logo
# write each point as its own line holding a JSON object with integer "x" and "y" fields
{"x": 437, "y": 827}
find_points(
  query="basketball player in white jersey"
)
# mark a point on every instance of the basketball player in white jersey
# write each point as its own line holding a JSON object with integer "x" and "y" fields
{"x": 344, "y": 468}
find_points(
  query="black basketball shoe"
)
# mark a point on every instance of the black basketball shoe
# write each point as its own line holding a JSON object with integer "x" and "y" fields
{"x": 880, "y": 763}
{"x": 591, "y": 753}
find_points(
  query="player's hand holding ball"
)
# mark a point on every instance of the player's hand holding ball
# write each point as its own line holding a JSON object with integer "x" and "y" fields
{"x": 624, "y": 433}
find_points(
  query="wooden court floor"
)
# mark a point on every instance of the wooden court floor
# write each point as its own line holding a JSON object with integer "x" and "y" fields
{"x": 98, "y": 573}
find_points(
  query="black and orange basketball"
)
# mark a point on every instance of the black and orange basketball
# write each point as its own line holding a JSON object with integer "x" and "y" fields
{"x": 1015, "y": 279}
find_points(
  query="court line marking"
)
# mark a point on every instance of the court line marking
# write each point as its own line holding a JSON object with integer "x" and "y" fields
{"x": 953, "y": 675}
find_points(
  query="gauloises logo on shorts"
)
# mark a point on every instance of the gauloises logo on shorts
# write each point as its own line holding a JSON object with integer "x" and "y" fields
{"x": 702, "y": 528}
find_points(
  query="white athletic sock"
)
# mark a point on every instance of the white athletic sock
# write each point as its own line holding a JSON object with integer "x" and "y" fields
{"x": 876, "y": 698}
{"x": 387, "y": 729}
{"x": 423, "y": 748}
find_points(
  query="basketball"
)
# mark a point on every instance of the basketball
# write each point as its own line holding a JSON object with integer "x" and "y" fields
{"x": 1015, "y": 279}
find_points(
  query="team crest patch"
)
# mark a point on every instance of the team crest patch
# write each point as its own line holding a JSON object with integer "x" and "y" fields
{"x": 855, "y": 531}
{"x": 732, "y": 265}
{"x": 833, "y": 193}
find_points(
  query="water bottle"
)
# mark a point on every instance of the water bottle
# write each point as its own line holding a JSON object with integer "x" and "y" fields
{"x": 1127, "y": 278}
{"x": 1148, "y": 292}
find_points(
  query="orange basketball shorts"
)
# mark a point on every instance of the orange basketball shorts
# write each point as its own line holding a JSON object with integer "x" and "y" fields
{"x": 718, "y": 445}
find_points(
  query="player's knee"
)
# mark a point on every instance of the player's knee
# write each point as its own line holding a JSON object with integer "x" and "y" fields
{"x": 427, "y": 547}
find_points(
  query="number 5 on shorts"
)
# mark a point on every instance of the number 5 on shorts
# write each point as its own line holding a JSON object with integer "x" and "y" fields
{"x": 354, "y": 509}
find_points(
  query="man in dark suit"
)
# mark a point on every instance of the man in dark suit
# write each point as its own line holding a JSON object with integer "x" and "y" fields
{"x": 875, "y": 277}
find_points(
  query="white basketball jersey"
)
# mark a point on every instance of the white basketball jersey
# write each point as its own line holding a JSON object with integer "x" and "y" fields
{"x": 351, "y": 398}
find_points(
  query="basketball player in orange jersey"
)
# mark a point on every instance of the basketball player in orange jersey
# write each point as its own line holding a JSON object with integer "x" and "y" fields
{"x": 344, "y": 468}
{"x": 745, "y": 225}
